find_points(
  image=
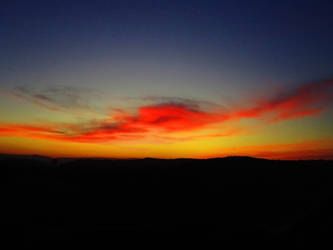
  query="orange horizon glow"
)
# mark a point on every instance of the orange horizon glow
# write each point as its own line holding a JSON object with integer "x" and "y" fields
{"x": 308, "y": 150}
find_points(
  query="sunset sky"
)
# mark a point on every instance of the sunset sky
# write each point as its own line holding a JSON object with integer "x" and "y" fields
{"x": 167, "y": 79}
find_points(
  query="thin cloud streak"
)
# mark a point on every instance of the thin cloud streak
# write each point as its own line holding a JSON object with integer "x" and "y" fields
{"x": 34, "y": 101}
{"x": 58, "y": 98}
{"x": 308, "y": 100}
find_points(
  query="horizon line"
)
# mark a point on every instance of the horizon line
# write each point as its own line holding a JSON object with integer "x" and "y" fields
{"x": 153, "y": 158}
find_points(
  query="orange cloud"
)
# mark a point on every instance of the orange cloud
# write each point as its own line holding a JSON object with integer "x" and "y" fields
{"x": 162, "y": 119}
{"x": 151, "y": 120}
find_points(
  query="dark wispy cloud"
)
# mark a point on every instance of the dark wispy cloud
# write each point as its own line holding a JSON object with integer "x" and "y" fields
{"x": 44, "y": 98}
{"x": 59, "y": 98}
{"x": 191, "y": 103}
{"x": 34, "y": 100}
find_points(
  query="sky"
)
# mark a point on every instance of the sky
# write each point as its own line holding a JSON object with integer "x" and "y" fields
{"x": 167, "y": 79}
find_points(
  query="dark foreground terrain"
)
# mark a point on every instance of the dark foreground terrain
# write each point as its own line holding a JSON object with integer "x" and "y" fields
{"x": 234, "y": 202}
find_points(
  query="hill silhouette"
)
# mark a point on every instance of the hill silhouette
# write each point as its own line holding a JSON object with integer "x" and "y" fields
{"x": 235, "y": 201}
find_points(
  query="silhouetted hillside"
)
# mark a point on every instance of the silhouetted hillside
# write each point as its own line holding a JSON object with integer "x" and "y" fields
{"x": 239, "y": 201}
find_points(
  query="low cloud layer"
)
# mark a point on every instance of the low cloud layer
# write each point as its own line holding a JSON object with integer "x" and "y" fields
{"x": 165, "y": 116}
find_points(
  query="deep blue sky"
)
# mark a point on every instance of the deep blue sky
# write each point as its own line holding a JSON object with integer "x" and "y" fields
{"x": 208, "y": 48}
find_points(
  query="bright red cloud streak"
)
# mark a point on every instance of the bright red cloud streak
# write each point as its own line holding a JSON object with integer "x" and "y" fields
{"x": 171, "y": 118}
{"x": 162, "y": 119}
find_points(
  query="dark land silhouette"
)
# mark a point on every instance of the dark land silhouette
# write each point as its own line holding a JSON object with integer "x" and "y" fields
{"x": 233, "y": 201}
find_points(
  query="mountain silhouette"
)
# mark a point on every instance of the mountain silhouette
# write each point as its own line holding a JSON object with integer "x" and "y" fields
{"x": 232, "y": 201}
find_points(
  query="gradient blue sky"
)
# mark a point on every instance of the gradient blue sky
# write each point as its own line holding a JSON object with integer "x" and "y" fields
{"x": 119, "y": 54}
{"x": 243, "y": 43}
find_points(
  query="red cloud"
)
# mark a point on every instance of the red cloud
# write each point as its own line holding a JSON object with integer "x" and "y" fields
{"x": 163, "y": 119}
{"x": 15, "y": 128}
{"x": 171, "y": 118}
{"x": 166, "y": 118}
{"x": 307, "y": 100}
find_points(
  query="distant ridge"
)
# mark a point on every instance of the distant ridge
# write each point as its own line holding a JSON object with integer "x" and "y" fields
{"x": 47, "y": 158}
{"x": 32, "y": 157}
{"x": 66, "y": 159}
